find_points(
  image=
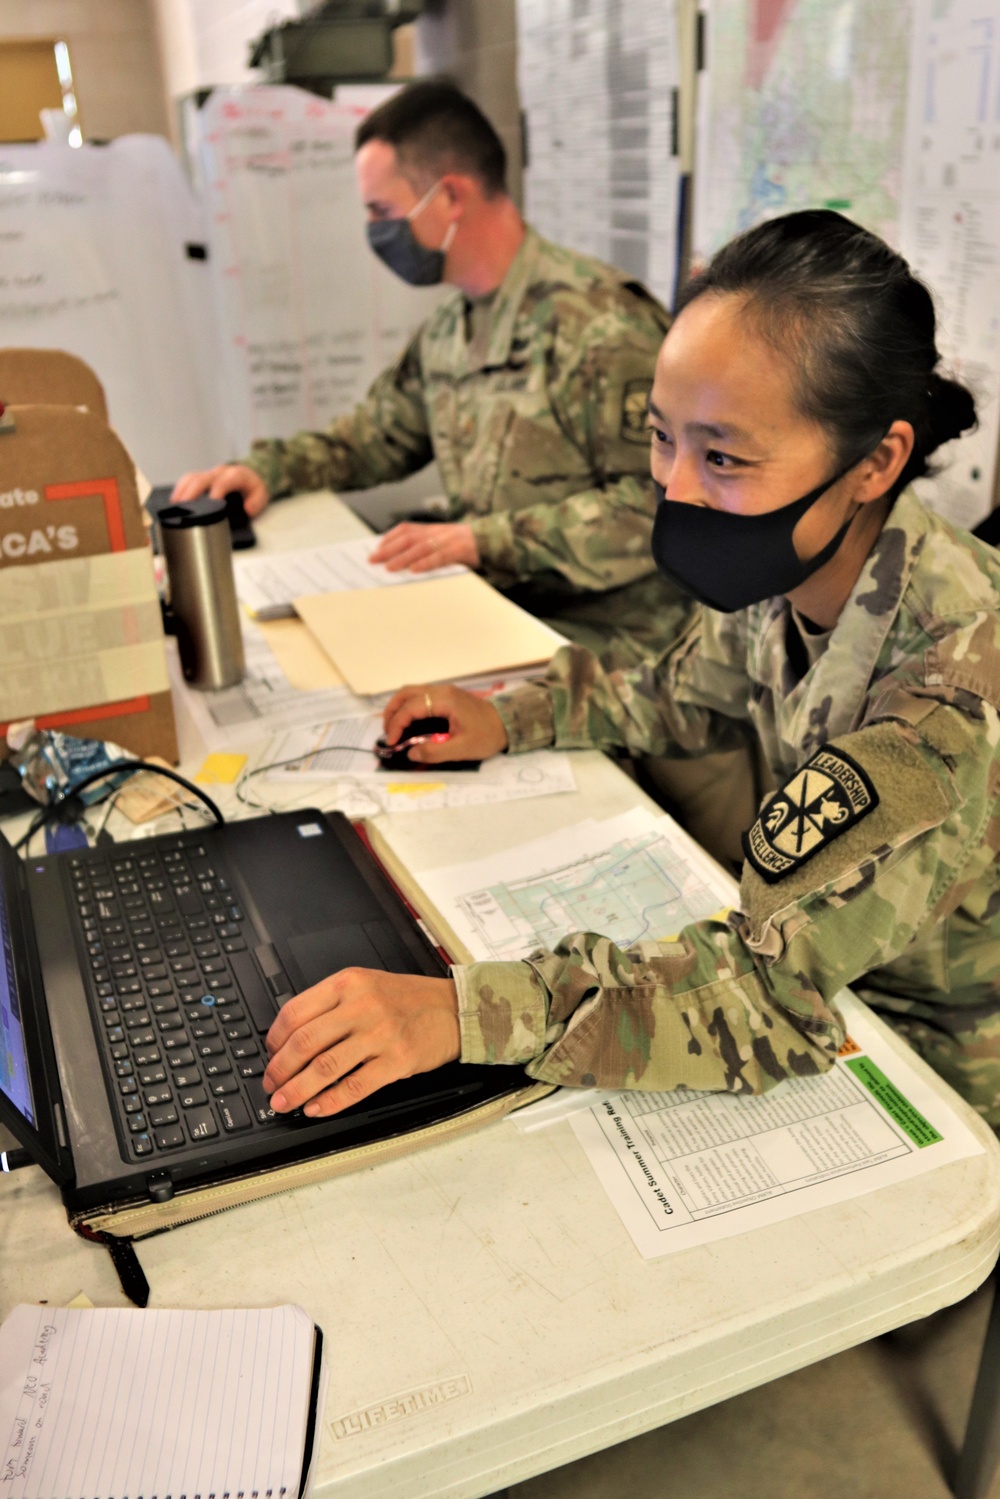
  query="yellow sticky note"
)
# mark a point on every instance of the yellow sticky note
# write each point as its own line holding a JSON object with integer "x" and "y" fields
{"x": 220, "y": 769}
{"x": 414, "y": 788}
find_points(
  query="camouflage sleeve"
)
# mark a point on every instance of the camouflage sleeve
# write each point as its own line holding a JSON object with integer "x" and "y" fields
{"x": 871, "y": 842}
{"x": 600, "y": 378}
{"x": 691, "y": 701}
{"x": 384, "y": 438}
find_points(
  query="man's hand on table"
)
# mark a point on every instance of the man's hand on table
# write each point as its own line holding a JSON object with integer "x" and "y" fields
{"x": 417, "y": 548}
{"x": 355, "y": 1032}
{"x": 222, "y": 480}
{"x": 475, "y": 728}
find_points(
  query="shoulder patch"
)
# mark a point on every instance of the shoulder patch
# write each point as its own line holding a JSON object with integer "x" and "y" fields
{"x": 635, "y": 406}
{"x": 828, "y": 795}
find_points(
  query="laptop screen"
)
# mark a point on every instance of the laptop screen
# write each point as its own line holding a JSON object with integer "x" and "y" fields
{"x": 14, "y": 1080}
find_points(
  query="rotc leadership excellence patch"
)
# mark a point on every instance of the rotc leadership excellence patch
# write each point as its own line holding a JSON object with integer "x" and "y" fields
{"x": 822, "y": 800}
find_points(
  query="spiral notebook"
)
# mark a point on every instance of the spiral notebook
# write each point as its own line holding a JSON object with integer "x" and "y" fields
{"x": 113, "y": 1404}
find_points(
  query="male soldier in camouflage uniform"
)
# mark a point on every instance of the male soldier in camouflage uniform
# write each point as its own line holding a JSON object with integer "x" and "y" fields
{"x": 533, "y": 403}
{"x": 528, "y": 387}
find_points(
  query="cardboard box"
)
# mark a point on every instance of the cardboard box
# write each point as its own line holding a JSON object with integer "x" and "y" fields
{"x": 50, "y": 377}
{"x": 81, "y": 637}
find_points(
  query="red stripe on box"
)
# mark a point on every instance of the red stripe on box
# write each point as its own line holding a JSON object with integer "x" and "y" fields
{"x": 107, "y": 490}
{"x": 84, "y": 715}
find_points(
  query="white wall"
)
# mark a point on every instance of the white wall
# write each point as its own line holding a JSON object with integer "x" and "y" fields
{"x": 113, "y": 53}
{"x": 206, "y": 42}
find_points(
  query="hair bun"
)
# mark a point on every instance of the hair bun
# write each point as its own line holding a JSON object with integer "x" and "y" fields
{"x": 951, "y": 408}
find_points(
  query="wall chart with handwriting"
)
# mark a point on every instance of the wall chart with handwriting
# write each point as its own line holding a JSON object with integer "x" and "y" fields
{"x": 309, "y": 316}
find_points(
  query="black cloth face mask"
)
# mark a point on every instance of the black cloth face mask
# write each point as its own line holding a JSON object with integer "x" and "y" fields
{"x": 395, "y": 243}
{"x": 729, "y": 562}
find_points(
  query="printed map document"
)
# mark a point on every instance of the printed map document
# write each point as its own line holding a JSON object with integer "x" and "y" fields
{"x": 684, "y": 1168}
{"x": 105, "y": 1404}
{"x": 266, "y": 586}
{"x": 631, "y": 877}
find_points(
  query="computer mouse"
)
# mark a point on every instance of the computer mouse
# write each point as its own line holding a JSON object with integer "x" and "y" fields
{"x": 398, "y": 757}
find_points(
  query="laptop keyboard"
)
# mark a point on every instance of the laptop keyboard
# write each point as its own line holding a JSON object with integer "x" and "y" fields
{"x": 181, "y": 1004}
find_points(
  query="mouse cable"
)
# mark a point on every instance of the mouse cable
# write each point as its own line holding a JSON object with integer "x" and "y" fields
{"x": 259, "y": 770}
{"x": 126, "y": 767}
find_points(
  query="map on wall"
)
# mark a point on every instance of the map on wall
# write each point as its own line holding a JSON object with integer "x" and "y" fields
{"x": 598, "y": 82}
{"x": 889, "y": 114}
{"x": 802, "y": 105}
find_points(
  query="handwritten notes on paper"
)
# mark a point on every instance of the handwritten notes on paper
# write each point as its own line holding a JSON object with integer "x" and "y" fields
{"x": 107, "y": 1403}
{"x": 308, "y": 315}
{"x": 95, "y": 259}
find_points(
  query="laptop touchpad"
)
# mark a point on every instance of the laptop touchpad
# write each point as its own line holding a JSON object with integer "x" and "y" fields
{"x": 319, "y": 954}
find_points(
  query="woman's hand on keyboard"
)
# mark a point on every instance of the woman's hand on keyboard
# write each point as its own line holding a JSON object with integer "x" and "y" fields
{"x": 350, "y": 1035}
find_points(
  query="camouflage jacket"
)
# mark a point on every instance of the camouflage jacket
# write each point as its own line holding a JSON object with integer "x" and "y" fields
{"x": 874, "y": 864}
{"x": 538, "y": 426}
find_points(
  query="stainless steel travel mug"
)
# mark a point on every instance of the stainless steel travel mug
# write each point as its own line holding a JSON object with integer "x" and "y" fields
{"x": 199, "y": 557}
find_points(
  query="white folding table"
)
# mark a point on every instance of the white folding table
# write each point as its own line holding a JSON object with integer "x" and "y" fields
{"x": 486, "y": 1314}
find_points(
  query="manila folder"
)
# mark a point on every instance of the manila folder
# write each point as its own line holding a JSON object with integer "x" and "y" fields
{"x": 435, "y": 631}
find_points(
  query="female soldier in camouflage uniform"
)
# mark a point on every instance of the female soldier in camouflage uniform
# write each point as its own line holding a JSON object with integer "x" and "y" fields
{"x": 795, "y": 399}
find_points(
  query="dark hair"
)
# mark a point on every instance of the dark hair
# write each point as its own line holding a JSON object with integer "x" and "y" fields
{"x": 434, "y": 127}
{"x": 859, "y": 325}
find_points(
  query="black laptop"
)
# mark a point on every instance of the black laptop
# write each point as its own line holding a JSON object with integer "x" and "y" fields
{"x": 137, "y": 984}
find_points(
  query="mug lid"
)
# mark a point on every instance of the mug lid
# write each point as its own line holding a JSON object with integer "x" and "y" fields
{"x": 199, "y": 512}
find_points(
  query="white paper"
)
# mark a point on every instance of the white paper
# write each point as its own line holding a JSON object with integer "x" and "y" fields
{"x": 325, "y": 752}
{"x": 342, "y": 749}
{"x": 555, "y": 1109}
{"x": 105, "y": 1403}
{"x": 684, "y": 1169}
{"x": 267, "y": 585}
{"x": 632, "y": 877}
{"x": 264, "y": 703}
{"x": 94, "y": 260}
{"x": 505, "y": 778}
